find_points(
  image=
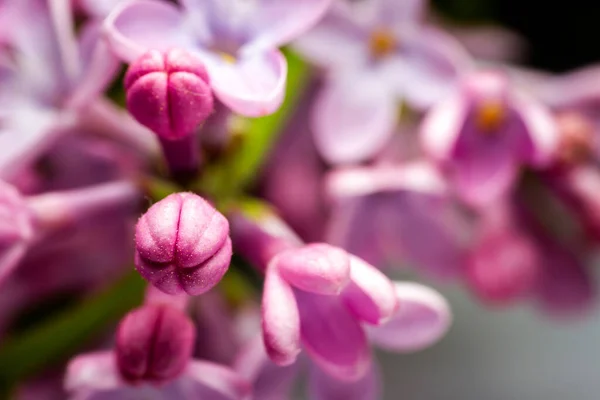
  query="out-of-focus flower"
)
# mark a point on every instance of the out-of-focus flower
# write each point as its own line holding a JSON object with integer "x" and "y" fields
{"x": 237, "y": 41}
{"x": 391, "y": 213}
{"x": 25, "y": 220}
{"x": 504, "y": 264}
{"x": 152, "y": 358}
{"x": 182, "y": 245}
{"x": 377, "y": 54}
{"x": 483, "y": 134}
{"x": 55, "y": 76}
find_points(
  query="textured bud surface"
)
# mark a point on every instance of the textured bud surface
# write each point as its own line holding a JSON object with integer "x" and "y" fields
{"x": 154, "y": 343}
{"x": 183, "y": 245}
{"x": 169, "y": 93}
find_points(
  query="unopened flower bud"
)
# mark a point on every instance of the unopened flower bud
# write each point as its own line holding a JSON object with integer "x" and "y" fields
{"x": 168, "y": 92}
{"x": 183, "y": 245}
{"x": 154, "y": 344}
{"x": 503, "y": 268}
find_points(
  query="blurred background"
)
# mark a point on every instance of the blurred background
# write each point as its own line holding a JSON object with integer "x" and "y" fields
{"x": 513, "y": 354}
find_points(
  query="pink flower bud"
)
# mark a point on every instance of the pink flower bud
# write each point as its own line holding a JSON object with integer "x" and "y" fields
{"x": 183, "y": 245}
{"x": 154, "y": 343}
{"x": 503, "y": 268}
{"x": 169, "y": 92}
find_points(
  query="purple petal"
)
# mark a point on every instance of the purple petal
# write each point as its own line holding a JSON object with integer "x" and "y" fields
{"x": 542, "y": 130}
{"x": 332, "y": 336}
{"x": 353, "y": 117}
{"x": 322, "y": 386}
{"x": 422, "y": 319}
{"x": 316, "y": 268}
{"x": 441, "y": 127}
{"x": 370, "y": 295}
{"x": 99, "y": 8}
{"x": 280, "y": 319}
{"x": 434, "y": 63}
{"x": 141, "y": 25}
{"x": 253, "y": 85}
{"x": 362, "y": 181}
{"x": 276, "y": 23}
{"x": 98, "y": 66}
{"x": 206, "y": 380}
{"x": 334, "y": 44}
{"x": 93, "y": 372}
{"x": 269, "y": 381}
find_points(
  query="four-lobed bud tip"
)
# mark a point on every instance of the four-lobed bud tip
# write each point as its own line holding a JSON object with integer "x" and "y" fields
{"x": 182, "y": 245}
{"x": 154, "y": 344}
{"x": 169, "y": 93}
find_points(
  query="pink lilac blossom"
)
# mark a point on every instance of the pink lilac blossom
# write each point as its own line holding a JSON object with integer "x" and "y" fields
{"x": 237, "y": 41}
{"x": 376, "y": 54}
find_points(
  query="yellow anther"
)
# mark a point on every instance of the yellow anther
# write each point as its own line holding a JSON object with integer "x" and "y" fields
{"x": 382, "y": 43}
{"x": 228, "y": 58}
{"x": 489, "y": 116}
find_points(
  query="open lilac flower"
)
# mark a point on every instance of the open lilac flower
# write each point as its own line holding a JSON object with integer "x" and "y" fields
{"x": 152, "y": 359}
{"x": 391, "y": 213}
{"x": 421, "y": 319}
{"x": 377, "y": 53}
{"x": 237, "y": 41}
{"x": 483, "y": 133}
{"x": 316, "y": 297}
{"x": 182, "y": 245}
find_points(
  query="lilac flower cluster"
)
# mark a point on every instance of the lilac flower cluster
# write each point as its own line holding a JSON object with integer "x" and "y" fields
{"x": 407, "y": 144}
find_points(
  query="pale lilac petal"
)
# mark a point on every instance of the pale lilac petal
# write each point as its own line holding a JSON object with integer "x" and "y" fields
{"x": 28, "y": 133}
{"x": 206, "y": 380}
{"x": 334, "y": 44}
{"x": 141, "y": 25}
{"x": 490, "y": 42}
{"x": 542, "y": 130}
{"x": 353, "y": 117}
{"x": 419, "y": 177}
{"x": 322, "y": 386}
{"x": 402, "y": 13}
{"x": 99, "y": 8}
{"x": 441, "y": 127}
{"x": 422, "y": 319}
{"x": 98, "y": 66}
{"x": 277, "y": 22}
{"x": 253, "y": 85}
{"x": 280, "y": 319}
{"x": 93, "y": 372}
{"x": 434, "y": 63}
{"x": 332, "y": 336}
{"x": 317, "y": 268}
{"x": 269, "y": 381}
{"x": 370, "y": 295}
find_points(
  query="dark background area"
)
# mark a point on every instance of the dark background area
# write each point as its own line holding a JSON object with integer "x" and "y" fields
{"x": 562, "y": 34}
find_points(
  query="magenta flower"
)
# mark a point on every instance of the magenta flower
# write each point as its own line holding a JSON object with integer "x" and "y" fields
{"x": 152, "y": 359}
{"x": 378, "y": 53}
{"x": 483, "y": 134}
{"x": 169, "y": 93}
{"x": 392, "y": 213}
{"x": 316, "y": 297}
{"x": 236, "y": 41}
{"x": 182, "y": 245}
{"x": 503, "y": 267}
{"x": 422, "y": 319}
